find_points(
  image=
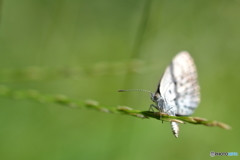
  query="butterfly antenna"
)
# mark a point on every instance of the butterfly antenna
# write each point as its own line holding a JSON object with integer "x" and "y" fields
{"x": 142, "y": 90}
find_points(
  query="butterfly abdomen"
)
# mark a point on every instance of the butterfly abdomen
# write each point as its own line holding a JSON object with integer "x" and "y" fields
{"x": 175, "y": 129}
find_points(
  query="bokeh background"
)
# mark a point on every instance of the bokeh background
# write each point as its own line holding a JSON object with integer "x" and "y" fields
{"x": 109, "y": 45}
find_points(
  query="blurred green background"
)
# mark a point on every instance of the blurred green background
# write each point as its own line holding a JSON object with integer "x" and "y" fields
{"x": 115, "y": 45}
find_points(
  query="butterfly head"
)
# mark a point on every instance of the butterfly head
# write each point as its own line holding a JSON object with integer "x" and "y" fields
{"x": 155, "y": 97}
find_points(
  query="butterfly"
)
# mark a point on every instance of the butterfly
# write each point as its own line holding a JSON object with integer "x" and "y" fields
{"x": 178, "y": 92}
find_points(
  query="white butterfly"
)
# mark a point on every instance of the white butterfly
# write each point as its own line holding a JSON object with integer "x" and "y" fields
{"x": 177, "y": 93}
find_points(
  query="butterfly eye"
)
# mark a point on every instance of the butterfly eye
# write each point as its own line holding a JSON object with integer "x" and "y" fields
{"x": 156, "y": 97}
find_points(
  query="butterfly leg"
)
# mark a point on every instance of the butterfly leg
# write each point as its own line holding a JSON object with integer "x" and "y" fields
{"x": 169, "y": 113}
{"x": 151, "y": 107}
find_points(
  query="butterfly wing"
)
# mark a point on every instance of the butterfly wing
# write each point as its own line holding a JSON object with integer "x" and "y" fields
{"x": 179, "y": 87}
{"x": 167, "y": 91}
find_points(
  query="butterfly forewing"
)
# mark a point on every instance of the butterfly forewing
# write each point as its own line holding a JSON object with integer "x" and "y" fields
{"x": 167, "y": 90}
{"x": 179, "y": 86}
